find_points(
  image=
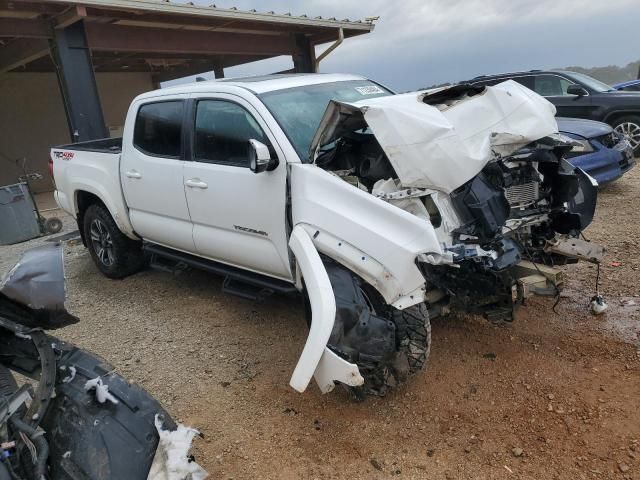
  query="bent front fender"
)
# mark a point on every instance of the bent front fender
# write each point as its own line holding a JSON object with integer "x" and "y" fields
{"x": 316, "y": 358}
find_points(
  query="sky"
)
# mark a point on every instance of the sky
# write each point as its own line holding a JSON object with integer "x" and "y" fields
{"x": 418, "y": 43}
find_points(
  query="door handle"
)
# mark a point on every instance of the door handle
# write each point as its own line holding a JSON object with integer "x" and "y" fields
{"x": 133, "y": 174}
{"x": 196, "y": 183}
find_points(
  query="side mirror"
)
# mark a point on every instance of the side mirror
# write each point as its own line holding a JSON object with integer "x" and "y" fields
{"x": 576, "y": 90}
{"x": 260, "y": 157}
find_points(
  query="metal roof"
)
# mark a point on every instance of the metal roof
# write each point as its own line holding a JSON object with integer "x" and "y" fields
{"x": 161, "y": 6}
{"x": 169, "y": 39}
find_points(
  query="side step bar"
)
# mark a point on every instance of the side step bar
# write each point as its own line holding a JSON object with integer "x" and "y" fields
{"x": 243, "y": 283}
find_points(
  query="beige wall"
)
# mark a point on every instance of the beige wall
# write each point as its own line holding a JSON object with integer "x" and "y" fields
{"x": 32, "y": 117}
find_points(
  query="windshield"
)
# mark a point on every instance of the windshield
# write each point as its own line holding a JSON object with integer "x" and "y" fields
{"x": 299, "y": 110}
{"x": 591, "y": 83}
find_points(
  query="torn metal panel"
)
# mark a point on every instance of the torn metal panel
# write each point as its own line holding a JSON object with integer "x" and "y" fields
{"x": 333, "y": 369}
{"x": 327, "y": 368}
{"x": 323, "y": 307}
{"x": 37, "y": 280}
{"x": 575, "y": 248}
{"x": 443, "y": 145}
{"x": 365, "y": 234}
{"x": 35, "y": 285}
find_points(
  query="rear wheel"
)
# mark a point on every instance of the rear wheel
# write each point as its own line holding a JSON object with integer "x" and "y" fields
{"x": 629, "y": 126}
{"x": 115, "y": 254}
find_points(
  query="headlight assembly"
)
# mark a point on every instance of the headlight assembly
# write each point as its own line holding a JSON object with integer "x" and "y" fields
{"x": 581, "y": 146}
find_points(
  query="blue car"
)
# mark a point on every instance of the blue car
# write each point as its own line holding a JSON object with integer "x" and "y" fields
{"x": 602, "y": 153}
{"x": 630, "y": 86}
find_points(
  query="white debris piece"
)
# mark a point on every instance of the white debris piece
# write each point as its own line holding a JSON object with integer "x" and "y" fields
{"x": 598, "y": 305}
{"x": 102, "y": 390}
{"x": 24, "y": 336}
{"x": 171, "y": 461}
{"x": 71, "y": 376}
{"x": 66, "y": 454}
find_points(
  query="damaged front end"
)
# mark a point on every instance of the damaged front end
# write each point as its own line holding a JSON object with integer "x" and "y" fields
{"x": 457, "y": 198}
{"x": 515, "y": 221}
{"x": 485, "y": 168}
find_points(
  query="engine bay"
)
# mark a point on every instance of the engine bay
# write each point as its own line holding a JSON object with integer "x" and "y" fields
{"x": 512, "y": 211}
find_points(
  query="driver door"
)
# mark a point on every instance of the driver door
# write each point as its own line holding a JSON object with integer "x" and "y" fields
{"x": 238, "y": 216}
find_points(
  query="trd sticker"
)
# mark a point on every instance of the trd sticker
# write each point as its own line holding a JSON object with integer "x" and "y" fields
{"x": 251, "y": 230}
{"x": 63, "y": 155}
{"x": 369, "y": 90}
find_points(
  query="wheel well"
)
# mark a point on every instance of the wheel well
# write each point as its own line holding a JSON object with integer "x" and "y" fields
{"x": 612, "y": 117}
{"x": 83, "y": 201}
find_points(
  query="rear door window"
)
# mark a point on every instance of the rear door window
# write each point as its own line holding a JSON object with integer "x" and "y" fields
{"x": 551, "y": 85}
{"x": 158, "y": 129}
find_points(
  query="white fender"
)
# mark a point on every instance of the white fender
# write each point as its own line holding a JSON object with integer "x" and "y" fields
{"x": 316, "y": 357}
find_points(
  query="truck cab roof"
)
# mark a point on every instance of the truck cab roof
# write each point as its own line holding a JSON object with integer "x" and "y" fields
{"x": 256, "y": 84}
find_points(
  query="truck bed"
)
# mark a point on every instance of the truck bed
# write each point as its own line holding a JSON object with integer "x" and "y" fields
{"x": 104, "y": 145}
{"x": 90, "y": 168}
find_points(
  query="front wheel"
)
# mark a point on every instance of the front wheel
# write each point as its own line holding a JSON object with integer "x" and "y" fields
{"x": 115, "y": 254}
{"x": 387, "y": 344}
{"x": 629, "y": 126}
{"x": 413, "y": 345}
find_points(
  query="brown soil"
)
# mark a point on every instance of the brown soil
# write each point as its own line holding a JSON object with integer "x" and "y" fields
{"x": 550, "y": 396}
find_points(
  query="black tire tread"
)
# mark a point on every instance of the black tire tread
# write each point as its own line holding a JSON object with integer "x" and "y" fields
{"x": 128, "y": 254}
{"x": 413, "y": 328}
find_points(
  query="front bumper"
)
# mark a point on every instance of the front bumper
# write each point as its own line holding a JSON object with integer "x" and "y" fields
{"x": 603, "y": 164}
{"x": 628, "y": 161}
{"x": 606, "y": 164}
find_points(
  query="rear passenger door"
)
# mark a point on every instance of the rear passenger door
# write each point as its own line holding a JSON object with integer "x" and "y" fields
{"x": 239, "y": 217}
{"x": 151, "y": 172}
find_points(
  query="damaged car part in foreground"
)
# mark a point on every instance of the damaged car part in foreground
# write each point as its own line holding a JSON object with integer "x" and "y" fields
{"x": 82, "y": 420}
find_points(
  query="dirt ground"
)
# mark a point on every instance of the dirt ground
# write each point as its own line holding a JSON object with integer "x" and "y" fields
{"x": 550, "y": 396}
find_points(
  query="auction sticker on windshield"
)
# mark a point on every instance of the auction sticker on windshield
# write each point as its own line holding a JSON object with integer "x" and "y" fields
{"x": 369, "y": 90}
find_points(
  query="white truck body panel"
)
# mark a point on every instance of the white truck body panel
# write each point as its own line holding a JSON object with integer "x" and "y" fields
{"x": 154, "y": 190}
{"x": 238, "y": 218}
{"x": 93, "y": 172}
{"x": 316, "y": 357}
{"x": 373, "y": 238}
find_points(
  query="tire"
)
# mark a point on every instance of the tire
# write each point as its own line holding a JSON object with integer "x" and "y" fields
{"x": 413, "y": 343}
{"x": 115, "y": 254}
{"x": 105, "y": 440}
{"x": 414, "y": 332}
{"x": 630, "y": 126}
{"x": 52, "y": 225}
{"x": 388, "y": 345}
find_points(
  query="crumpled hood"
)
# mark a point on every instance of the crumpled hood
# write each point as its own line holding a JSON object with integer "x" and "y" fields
{"x": 442, "y": 138}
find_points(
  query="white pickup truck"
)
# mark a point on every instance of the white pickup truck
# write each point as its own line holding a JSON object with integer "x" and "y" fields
{"x": 381, "y": 209}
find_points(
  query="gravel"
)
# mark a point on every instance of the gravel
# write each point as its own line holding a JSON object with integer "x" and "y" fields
{"x": 222, "y": 364}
